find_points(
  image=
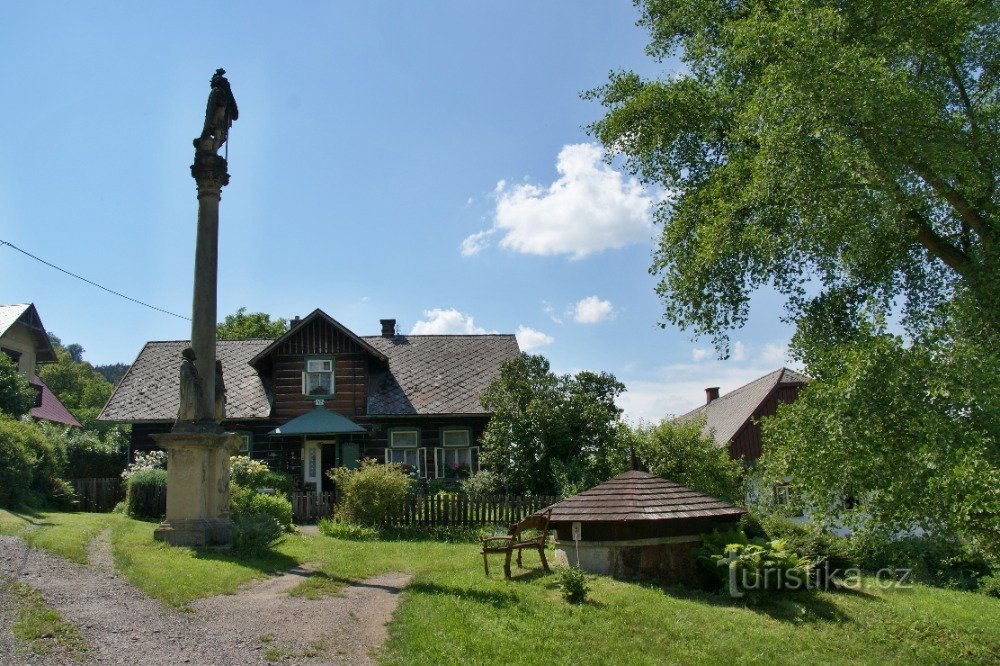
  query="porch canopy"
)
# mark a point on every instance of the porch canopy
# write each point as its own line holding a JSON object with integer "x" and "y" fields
{"x": 319, "y": 421}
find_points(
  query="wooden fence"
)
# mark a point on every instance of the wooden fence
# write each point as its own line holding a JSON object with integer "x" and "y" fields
{"x": 98, "y": 494}
{"x": 308, "y": 507}
{"x": 432, "y": 510}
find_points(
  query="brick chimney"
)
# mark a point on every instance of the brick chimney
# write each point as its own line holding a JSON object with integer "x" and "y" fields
{"x": 711, "y": 393}
{"x": 295, "y": 322}
{"x": 388, "y": 327}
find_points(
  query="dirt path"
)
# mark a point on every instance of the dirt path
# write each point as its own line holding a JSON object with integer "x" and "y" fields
{"x": 347, "y": 628}
{"x": 127, "y": 627}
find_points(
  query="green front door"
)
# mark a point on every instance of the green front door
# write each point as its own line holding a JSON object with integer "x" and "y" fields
{"x": 350, "y": 452}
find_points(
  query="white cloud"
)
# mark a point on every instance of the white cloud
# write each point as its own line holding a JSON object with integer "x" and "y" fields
{"x": 529, "y": 338}
{"x": 739, "y": 352}
{"x": 775, "y": 353}
{"x": 473, "y": 245}
{"x": 591, "y": 310}
{"x": 699, "y": 354}
{"x": 551, "y": 312}
{"x": 439, "y": 321}
{"x": 679, "y": 388}
{"x": 590, "y": 207}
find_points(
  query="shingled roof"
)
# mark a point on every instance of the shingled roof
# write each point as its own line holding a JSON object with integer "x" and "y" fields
{"x": 150, "y": 390}
{"x": 427, "y": 374}
{"x": 725, "y": 415}
{"x": 437, "y": 374}
{"x": 641, "y": 496}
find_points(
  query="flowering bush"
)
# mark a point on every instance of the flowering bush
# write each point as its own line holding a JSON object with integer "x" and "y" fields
{"x": 145, "y": 461}
{"x": 372, "y": 493}
{"x": 255, "y": 474}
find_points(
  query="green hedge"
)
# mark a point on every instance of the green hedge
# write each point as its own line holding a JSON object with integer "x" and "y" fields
{"x": 145, "y": 494}
{"x": 32, "y": 466}
{"x": 247, "y": 502}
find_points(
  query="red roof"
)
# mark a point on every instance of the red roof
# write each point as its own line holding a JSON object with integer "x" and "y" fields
{"x": 50, "y": 408}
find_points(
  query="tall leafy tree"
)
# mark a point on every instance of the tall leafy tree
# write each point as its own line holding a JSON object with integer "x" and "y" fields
{"x": 550, "y": 432}
{"x": 681, "y": 453}
{"x": 849, "y": 148}
{"x": 243, "y": 325}
{"x": 80, "y": 388}
{"x": 847, "y": 155}
{"x": 896, "y": 434}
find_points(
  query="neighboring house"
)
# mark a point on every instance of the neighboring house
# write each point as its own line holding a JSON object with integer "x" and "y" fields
{"x": 24, "y": 340}
{"x": 321, "y": 396}
{"x": 734, "y": 418}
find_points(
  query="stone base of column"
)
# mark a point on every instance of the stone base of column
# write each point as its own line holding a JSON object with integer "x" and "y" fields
{"x": 195, "y": 533}
{"x": 197, "y": 488}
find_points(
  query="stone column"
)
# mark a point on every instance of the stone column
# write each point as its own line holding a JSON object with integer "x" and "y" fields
{"x": 209, "y": 172}
{"x": 198, "y": 452}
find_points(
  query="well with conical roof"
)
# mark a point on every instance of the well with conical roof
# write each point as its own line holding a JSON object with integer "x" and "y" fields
{"x": 638, "y": 525}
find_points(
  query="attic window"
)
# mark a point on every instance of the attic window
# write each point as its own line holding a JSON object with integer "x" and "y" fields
{"x": 317, "y": 380}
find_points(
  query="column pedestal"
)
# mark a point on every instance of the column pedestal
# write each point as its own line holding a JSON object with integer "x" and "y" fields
{"x": 197, "y": 488}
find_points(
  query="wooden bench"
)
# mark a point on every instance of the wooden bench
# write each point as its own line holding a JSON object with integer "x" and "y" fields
{"x": 515, "y": 540}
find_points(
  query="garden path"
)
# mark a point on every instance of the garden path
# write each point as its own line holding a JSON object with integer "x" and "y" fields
{"x": 127, "y": 627}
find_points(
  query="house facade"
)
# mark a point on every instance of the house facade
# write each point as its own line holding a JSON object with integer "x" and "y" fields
{"x": 24, "y": 340}
{"x": 321, "y": 397}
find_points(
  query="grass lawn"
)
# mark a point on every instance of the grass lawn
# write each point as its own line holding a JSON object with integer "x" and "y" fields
{"x": 451, "y": 613}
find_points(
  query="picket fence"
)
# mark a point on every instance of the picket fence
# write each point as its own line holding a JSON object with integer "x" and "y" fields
{"x": 433, "y": 510}
{"x": 308, "y": 507}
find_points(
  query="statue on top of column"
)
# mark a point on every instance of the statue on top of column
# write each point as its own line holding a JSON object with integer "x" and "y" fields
{"x": 219, "y": 115}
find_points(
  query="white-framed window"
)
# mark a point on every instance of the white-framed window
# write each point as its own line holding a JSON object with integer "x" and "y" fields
{"x": 401, "y": 438}
{"x": 317, "y": 379}
{"x": 455, "y": 437}
{"x": 455, "y": 462}
{"x": 404, "y": 449}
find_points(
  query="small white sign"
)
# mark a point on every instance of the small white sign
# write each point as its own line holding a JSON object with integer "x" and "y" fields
{"x": 577, "y": 530}
{"x": 320, "y": 402}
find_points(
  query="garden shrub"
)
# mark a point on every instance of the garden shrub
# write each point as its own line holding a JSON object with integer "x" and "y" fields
{"x": 759, "y": 565}
{"x": 246, "y": 501}
{"x": 483, "y": 483}
{"x": 990, "y": 586}
{"x": 826, "y": 551}
{"x": 17, "y": 462}
{"x": 254, "y": 534}
{"x": 338, "y": 529}
{"x": 935, "y": 560}
{"x": 32, "y": 466}
{"x": 573, "y": 584}
{"x": 371, "y": 494}
{"x": 144, "y": 493}
{"x": 90, "y": 457}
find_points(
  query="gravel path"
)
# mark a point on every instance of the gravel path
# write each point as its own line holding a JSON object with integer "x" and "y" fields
{"x": 347, "y": 628}
{"x": 127, "y": 627}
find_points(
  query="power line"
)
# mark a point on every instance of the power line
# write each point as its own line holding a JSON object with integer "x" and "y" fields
{"x": 91, "y": 282}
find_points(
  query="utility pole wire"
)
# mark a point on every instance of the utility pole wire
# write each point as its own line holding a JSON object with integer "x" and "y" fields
{"x": 91, "y": 282}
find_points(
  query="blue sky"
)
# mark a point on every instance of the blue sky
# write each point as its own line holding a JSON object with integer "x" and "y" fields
{"x": 423, "y": 161}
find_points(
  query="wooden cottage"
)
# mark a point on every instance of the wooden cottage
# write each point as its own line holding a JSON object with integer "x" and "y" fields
{"x": 734, "y": 418}
{"x": 638, "y": 525}
{"x": 321, "y": 396}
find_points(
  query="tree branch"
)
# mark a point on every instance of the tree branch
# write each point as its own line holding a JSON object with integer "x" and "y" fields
{"x": 975, "y": 220}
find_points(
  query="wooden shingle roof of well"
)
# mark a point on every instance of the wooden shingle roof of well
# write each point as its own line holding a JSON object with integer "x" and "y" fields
{"x": 641, "y": 496}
